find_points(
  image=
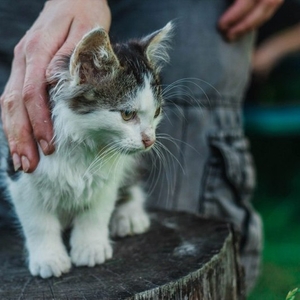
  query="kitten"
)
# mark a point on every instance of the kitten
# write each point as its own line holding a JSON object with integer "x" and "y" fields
{"x": 106, "y": 104}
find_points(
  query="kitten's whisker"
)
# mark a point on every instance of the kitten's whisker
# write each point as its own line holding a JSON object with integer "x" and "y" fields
{"x": 108, "y": 155}
{"x": 169, "y": 165}
{"x": 179, "y": 87}
{"x": 190, "y": 79}
{"x": 185, "y": 95}
{"x": 164, "y": 164}
{"x": 153, "y": 157}
{"x": 95, "y": 161}
{"x": 160, "y": 160}
{"x": 117, "y": 162}
{"x": 171, "y": 154}
{"x": 101, "y": 157}
{"x": 165, "y": 136}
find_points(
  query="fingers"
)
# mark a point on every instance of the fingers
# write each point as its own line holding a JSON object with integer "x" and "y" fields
{"x": 16, "y": 123}
{"x": 35, "y": 96}
{"x": 246, "y": 15}
{"x": 25, "y": 112}
{"x": 252, "y": 21}
{"x": 235, "y": 13}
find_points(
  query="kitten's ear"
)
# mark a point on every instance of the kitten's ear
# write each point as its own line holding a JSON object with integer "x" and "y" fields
{"x": 93, "y": 57}
{"x": 157, "y": 44}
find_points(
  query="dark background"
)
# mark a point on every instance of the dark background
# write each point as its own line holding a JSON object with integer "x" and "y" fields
{"x": 272, "y": 123}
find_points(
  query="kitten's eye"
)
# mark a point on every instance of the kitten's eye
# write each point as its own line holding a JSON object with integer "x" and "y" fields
{"x": 128, "y": 115}
{"x": 157, "y": 112}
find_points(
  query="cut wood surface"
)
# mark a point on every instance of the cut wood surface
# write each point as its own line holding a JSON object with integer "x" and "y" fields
{"x": 181, "y": 257}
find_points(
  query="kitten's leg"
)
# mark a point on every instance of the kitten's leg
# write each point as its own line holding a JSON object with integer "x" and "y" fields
{"x": 90, "y": 243}
{"x": 130, "y": 216}
{"x": 47, "y": 253}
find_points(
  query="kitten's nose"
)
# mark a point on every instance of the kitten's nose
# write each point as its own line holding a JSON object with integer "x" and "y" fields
{"x": 148, "y": 142}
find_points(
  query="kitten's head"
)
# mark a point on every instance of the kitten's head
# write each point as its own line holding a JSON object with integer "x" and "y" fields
{"x": 110, "y": 94}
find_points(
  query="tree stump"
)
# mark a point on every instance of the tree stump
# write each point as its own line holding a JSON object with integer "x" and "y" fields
{"x": 182, "y": 257}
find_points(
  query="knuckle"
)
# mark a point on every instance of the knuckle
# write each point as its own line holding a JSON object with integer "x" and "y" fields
{"x": 9, "y": 101}
{"x": 28, "y": 93}
{"x": 18, "y": 49}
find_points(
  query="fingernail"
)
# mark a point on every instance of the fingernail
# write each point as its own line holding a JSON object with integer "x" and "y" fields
{"x": 17, "y": 162}
{"x": 25, "y": 164}
{"x": 45, "y": 146}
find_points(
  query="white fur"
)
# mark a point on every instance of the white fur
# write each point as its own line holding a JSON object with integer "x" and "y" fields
{"x": 130, "y": 218}
{"x": 67, "y": 190}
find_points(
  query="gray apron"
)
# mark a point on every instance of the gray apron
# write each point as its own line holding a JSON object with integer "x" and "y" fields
{"x": 206, "y": 168}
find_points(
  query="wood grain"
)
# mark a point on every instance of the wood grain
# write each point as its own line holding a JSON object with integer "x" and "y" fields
{"x": 182, "y": 257}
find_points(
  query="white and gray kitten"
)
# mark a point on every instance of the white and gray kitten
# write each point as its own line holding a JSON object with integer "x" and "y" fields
{"x": 106, "y": 104}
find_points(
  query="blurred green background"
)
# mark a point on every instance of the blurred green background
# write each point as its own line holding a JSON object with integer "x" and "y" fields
{"x": 272, "y": 124}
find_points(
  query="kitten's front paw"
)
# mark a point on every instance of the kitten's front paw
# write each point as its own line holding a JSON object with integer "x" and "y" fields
{"x": 47, "y": 263}
{"x": 91, "y": 254}
{"x": 127, "y": 222}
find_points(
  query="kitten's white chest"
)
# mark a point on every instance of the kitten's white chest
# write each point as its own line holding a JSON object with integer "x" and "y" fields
{"x": 75, "y": 182}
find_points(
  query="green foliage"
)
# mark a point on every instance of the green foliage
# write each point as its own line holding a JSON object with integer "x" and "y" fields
{"x": 278, "y": 192}
{"x": 292, "y": 294}
{"x": 277, "y": 200}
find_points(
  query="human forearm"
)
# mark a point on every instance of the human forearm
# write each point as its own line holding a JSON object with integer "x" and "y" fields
{"x": 271, "y": 51}
{"x": 285, "y": 42}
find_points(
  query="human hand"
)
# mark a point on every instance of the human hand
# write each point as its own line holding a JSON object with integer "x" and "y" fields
{"x": 24, "y": 103}
{"x": 246, "y": 15}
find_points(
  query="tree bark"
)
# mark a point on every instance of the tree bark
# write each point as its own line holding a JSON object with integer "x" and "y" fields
{"x": 181, "y": 257}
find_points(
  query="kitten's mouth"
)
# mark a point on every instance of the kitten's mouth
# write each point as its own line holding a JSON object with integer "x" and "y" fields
{"x": 139, "y": 150}
{"x": 146, "y": 149}
{"x": 134, "y": 151}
